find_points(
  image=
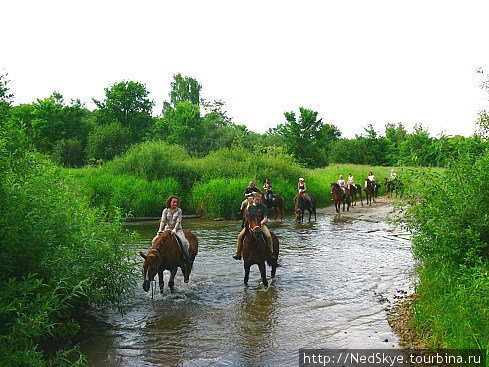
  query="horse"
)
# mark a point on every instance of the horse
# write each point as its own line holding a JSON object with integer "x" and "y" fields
{"x": 394, "y": 185}
{"x": 369, "y": 191}
{"x": 255, "y": 249}
{"x": 165, "y": 254}
{"x": 304, "y": 202}
{"x": 339, "y": 196}
{"x": 354, "y": 190}
{"x": 278, "y": 205}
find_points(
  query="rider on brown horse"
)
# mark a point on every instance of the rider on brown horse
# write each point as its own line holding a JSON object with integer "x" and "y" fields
{"x": 171, "y": 219}
{"x": 260, "y": 211}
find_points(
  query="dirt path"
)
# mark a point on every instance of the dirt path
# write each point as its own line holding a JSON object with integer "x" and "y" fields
{"x": 380, "y": 211}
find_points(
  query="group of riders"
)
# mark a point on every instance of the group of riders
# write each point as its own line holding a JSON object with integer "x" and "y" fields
{"x": 171, "y": 218}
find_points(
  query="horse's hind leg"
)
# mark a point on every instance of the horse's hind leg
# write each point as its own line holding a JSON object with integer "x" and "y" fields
{"x": 247, "y": 272}
{"x": 171, "y": 282}
{"x": 263, "y": 274}
{"x": 161, "y": 281}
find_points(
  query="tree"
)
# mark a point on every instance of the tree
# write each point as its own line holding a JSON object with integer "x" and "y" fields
{"x": 5, "y": 97}
{"x": 127, "y": 102}
{"x": 307, "y": 138}
{"x": 183, "y": 89}
{"x": 108, "y": 141}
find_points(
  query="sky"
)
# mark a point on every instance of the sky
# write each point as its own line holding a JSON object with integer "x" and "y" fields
{"x": 356, "y": 62}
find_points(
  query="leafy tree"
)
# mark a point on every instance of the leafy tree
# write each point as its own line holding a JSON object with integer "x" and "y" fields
{"x": 307, "y": 138}
{"x": 69, "y": 152}
{"x": 127, "y": 102}
{"x": 5, "y": 97}
{"x": 183, "y": 88}
{"x": 108, "y": 141}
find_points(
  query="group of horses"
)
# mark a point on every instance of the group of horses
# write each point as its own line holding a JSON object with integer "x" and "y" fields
{"x": 166, "y": 252}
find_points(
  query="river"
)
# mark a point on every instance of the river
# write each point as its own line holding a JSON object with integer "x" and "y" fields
{"x": 333, "y": 289}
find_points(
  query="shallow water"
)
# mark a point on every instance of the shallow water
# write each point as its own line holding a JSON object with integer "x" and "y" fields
{"x": 336, "y": 280}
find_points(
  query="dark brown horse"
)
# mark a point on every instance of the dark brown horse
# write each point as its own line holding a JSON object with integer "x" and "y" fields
{"x": 355, "y": 189}
{"x": 369, "y": 191}
{"x": 255, "y": 250}
{"x": 304, "y": 202}
{"x": 340, "y": 197}
{"x": 278, "y": 205}
{"x": 165, "y": 254}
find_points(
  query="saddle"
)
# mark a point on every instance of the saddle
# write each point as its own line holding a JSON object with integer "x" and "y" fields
{"x": 180, "y": 244}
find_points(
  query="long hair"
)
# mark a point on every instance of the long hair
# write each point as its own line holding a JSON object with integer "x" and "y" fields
{"x": 168, "y": 201}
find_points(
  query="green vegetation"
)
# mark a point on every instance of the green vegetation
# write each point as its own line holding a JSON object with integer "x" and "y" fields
{"x": 449, "y": 214}
{"x": 60, "y": 255}
{"x": 57, "y": 257}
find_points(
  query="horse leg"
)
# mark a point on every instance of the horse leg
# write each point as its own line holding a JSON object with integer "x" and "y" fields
{"x": 310, "y": 213}
{"x": 161, "y": 281}
{"x": 247, "y": 272}
{"x": 263, "y": 274}
{"x": 171, "y": 282}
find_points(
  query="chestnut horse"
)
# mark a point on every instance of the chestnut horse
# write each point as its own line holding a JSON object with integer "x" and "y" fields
{"x": 339, "y": 196}
{"x": 165, "y": 254}
{"x": 355, "y": 189}
{"x": 304, "y": 202}
{"x": 255, "y": 250}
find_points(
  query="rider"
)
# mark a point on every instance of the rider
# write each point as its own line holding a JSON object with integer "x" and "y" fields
{"x": 351, "y": 180}
{"x": 301, "y": 186}
{"x": 371, "y": 178}
{"x": 248, "y": 194}
{"x": 171, "y": 219}
{"x": 268, "y": 190}
{"x": 341, "y": 183}
{"x": 260, "y": 210}
{"x": 393, "y": 175}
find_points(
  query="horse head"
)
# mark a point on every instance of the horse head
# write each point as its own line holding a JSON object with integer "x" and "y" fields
{"x": 253, "y": 225}
{"x": 152, "y": 260}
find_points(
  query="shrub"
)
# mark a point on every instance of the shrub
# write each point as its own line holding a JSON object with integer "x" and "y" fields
{"x": 107, "y": 141}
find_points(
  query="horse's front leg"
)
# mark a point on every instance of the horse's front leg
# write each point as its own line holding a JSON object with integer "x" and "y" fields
{"x": 171, "y": 282}
{"x": 263, "y": 274}
{"x": 247, "y": 272}
{"x": 161, "y": 280}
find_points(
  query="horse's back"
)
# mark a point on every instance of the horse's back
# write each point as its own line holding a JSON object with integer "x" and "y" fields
{"x": 193, "y": 243}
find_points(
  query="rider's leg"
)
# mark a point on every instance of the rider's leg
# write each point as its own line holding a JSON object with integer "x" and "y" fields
{"x": 185, "y": 244}
{"x": 239, "y": 245}
{"x": 268, "y": 238}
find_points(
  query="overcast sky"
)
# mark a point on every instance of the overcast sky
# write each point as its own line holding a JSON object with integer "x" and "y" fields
{"x": 356, "y": 62}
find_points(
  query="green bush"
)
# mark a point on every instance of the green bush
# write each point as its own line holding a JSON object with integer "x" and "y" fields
{"x": 108, "y": 141}
{"x": 69, "y": 153}
{"x": 448, "y": 213}
{"x": 57, "y": 258}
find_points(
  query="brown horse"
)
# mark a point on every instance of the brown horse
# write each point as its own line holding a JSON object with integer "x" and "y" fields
{"x": 304, "y": 202}
{"x": 165, "y": 254}
{"x": 278, "y": 205}
{"x": 369, "y": 191}
{"x": 339, "y": 196}
{"x": 355, "y": 189}
{"x": 255, "y": 249}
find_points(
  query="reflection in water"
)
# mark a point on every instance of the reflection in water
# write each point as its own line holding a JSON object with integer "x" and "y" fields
{"x": 255, "y": 319}
{"x": 328, "y": 293}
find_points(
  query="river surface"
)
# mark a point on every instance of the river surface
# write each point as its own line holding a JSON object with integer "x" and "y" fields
{"x": 333, "y": 290}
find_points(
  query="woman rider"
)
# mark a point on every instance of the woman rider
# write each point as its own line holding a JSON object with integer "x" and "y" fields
{"x": 351, "y": 180}
{"x": 248, "y": 194}
{"x": 260, "y": 210}
{"x": 342, "y": 183}
{"x": 301, "y": 186}
{"x": 171, "y": 219}
{"x": 370, "y": 177}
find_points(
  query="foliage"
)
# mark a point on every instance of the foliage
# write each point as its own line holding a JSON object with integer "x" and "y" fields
{"x": 106, "y": 142}
{"x": 127, "y": 102}
{"x": 69, "y": 153}
{"x": 183, "y": 89}
{"x": 57, "y": 258}
{"x": 307, "y": 138}
{"x": 448, "y": 213}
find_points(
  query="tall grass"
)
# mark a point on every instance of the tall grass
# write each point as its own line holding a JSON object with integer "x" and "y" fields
{"x": 138, "y": 182}
{"x": 449, "y": 215}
